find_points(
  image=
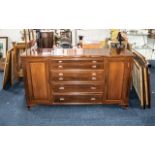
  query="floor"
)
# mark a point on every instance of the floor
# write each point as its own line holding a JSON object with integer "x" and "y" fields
{"x": 13, "y": 111}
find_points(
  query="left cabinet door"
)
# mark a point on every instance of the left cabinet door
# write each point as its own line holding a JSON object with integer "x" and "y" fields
{"x": 39, "y": 81}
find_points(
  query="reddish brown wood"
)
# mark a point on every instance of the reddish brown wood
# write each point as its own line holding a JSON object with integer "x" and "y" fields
{"x": 115, "y": 79}
{"x": 87, "y": 87}
{"x": 118, "y": 80}
{"x": 70, "y": 78}
{"x": 77, "y": 75}
{"x": 39, "y": 82}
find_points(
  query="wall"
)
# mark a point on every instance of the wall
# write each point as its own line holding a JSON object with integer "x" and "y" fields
{"x": 12, "y": 34}
{"x": 94, "y": 35}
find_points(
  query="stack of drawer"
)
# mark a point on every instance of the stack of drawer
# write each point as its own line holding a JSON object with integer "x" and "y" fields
{"x": 76, "y": 81}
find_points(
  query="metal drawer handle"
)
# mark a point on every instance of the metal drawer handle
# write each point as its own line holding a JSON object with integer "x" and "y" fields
{"x": 93, "y": 88}
{"x": 93, "y": 99}
{"x": 94, "y": 61}
{"x": 60, "y": 66}
{"x": 61, "y": 88}
{"x": 94, "y": 66}
{"x": 61, "y": 79}
{"x": 93, "y": 78}
{"x": 60, "y": 61}
{"x": 62, "y": 99}
{"x": 61, "y": 74}
{"x": 93, "y": 74}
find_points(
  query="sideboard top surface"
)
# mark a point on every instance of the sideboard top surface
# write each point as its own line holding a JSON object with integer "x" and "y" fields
{"x": 49, "y": 52}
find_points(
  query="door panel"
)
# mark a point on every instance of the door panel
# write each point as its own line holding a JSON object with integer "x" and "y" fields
{"x": 39, "y": 81}
{"x": 114, "y": 80}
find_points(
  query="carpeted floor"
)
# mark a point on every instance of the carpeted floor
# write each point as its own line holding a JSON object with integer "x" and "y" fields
{"x": 13, "y": 111}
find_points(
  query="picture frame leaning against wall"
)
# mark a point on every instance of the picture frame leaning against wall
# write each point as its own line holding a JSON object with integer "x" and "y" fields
{"x": 3, "y": 46}
{"x": 3, "y": 51}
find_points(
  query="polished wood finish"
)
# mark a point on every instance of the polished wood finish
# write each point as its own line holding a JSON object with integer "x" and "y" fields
{"x": 76, "y": 75}
{"x": 78, "y": 99}
{"x": 96, "y": 87}
{"x": 117, "y": 80}
{"x": 39, "y": 84}
{"x": 94, "y": 76}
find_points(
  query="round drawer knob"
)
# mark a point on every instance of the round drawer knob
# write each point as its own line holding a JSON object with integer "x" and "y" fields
{"x": 94, "y": 66}
{"x": 61, "y": 74}
{"x": 60, "y": 66}
{"x": 61, "y": 79}
{"x": 60, "y": 61}
{"x": 93, "y": 99}
{"x": 61, "y": 88}
{"x": 93, "y": 78}
{"x": 62, "y": 99}
{"x": 93, "y": 74}
{"x": 93, "y": 88}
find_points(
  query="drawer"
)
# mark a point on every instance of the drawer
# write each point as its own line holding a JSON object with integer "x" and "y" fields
{"x": 72, "y": 99}
{"x": 63, "y": 88}
{"x": 75, "y": 75}
{"x": 93, "y": 60}
{"x": 94, "y": 64}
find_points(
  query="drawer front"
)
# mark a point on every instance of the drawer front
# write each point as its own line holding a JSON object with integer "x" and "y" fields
{"x": 92, "y": 64}
{"x": 94, "y": 60}
{"x": 61, "y": 75}
{"x": 71, "y": 99}
{"x": 63, "y": 88}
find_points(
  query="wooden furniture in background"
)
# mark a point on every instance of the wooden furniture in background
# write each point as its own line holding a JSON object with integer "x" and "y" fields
{"x": 2, "y": 64}
{"x": 30, "y": 38}
{"x": 15, "y": 71}
{"x": 46, "y": 39}
{"x": 7, "y": 70}
{"x": 16, "y": 68}
{"x": 95, "y": 76}
{"x": 141, "y": 79}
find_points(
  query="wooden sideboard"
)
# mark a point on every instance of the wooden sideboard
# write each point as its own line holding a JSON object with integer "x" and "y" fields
{"x": 94, "y": 76}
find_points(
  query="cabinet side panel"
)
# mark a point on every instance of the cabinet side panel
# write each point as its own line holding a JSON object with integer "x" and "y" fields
{"x": 39, "y": 81}
{"x": 115, "y": 80}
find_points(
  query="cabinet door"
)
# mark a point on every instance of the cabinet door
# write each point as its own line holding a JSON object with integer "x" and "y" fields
{"x": 114, "y": 84}
{"x": 39, "y": 81}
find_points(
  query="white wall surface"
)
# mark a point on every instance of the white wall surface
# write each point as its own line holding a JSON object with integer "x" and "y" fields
{"x": 74, "y": 37}
{"x": 12, "y": 34}
{"x": 94, "y": 35}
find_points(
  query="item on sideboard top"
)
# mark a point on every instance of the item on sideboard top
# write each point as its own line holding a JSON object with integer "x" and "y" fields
{"x": 79, "y": 45}
{"x": 117, "y": 45}
{"x": 120, "y": 38}
{"x": 1, "y": 55}
{"x": 81, "y": 40}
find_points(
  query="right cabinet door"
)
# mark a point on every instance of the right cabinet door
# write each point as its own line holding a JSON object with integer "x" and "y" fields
{"x": 116, "y": 80}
